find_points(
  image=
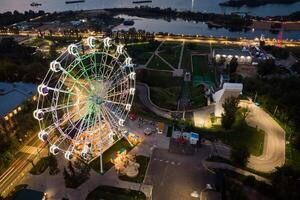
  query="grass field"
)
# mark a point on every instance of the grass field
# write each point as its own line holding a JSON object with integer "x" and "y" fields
{"x": 241, "y": 135}
{"x": 197, "y": 97}
{"x": 107, "y": 155}
{"x": 157, "y": 63}
{"x": 169, "y": 44}
{"x": 165, "y": 97}
{"x": 200, "y": 65}
{"x": 171, "y": 55}
{"x": 40, "y": 166}
{"x": 141, "y": 52}
{"x": 201, "y": 72}
{"x": 159, "y": 79}
{"x": 164, "y": 88}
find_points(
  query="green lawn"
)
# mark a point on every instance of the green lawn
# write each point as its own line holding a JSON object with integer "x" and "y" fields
{"x": 292, "y": 157}
{"x": 242, "y": 135}
{"x": 107, "y": 155}
{"x": 169, "y": 44}
{"x": 159, "y": 79}
{"x": 157, "y": 63}
{"x": 143, "y": 161}
{"x": 141, "y": 52}
{"x": 200, "y": 65}
{"x": 198, "y": 98}
{"x": 113, "y": 193}
{"x": 144, "y": 112}
{"x": 165, "y": 97}
{"x": 186, "y": 60}
{"x": 171, "y": 56}
{"x": 40, "y": 166}
{"x": 142, "y": 58}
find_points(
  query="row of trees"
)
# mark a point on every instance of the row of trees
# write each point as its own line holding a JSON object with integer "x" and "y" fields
{"x": 76, "y": 173}
{"x": 20, "y": 63}
{"x": 9, "y": 18}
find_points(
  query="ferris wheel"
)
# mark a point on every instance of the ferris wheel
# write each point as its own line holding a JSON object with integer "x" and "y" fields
{"x": 85, "y": 98}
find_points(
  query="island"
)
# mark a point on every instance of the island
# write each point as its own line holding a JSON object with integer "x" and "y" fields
{"x": 254, "y": 3}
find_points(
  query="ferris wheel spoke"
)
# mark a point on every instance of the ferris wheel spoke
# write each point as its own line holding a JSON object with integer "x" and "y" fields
{"x": 119, "y": 83}
{"x": 110, "y": 117}
{"x": 116, "y": 94}
{"x": 63, "y": 91}
{"x": 77, "y": 81}
{"x": 113, "y": 64}
{"x": 84, "y": 71}
{"x": 59, "y": 107}
{"x": 113, "y": 102}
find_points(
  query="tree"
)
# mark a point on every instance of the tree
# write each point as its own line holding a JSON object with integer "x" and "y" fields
{"x": 267, "y": 67}
{"x": 244, "y": 112}
{"x": 233, "y": 65}
{"x": 240, "y": 156}
{"x": 230, "y": 109}
{"x": 76, "y": 174}
{"x": 286, "y": 184}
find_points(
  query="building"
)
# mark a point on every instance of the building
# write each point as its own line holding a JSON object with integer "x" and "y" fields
{"x": 243, "y": 56}
{"x": 228, "y": 90}
{"x": 12, "y": 95}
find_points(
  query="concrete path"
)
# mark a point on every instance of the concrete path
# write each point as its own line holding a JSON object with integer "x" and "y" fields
{"x": 181, "y": 55}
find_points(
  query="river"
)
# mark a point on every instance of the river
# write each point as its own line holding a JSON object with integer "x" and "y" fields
{"x": 194, "y": 5}
{"x": 192, "y": 28}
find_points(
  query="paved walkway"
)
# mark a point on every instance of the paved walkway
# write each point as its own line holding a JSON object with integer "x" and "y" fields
{"x": 55, "y": 188}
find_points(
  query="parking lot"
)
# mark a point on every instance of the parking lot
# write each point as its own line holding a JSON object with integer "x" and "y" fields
{"x": 175, "y": 176}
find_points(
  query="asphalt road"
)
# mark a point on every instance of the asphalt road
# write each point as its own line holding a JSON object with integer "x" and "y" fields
{"x": 274, "y": 145}
{"x": 175, "y": 176}
{"x": 10, "y": 178}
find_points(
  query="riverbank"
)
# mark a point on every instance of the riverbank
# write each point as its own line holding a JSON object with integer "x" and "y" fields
{"x": 233, "y": 21}
{"x": 269, "y": 25}
{"x": 255, "y": 3}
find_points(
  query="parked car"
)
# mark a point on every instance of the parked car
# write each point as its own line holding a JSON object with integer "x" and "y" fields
{"x": 132, "y": 116}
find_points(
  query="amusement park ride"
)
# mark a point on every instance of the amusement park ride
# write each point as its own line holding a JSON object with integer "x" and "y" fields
{"x": 85, "y": 98}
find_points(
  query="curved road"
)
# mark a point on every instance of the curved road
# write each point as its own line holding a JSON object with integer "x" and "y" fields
{"x": 274, "y": 145}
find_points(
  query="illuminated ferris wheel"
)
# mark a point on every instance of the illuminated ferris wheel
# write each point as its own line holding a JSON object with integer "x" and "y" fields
{"x": 85, "y": 98}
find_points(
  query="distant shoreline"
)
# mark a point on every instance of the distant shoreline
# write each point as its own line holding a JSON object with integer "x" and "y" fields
{"x": 255, "y": 3}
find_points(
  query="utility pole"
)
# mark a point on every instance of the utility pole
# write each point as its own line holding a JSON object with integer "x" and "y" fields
{"x": 275, "y": 110}
{"x": 255, "y": 96}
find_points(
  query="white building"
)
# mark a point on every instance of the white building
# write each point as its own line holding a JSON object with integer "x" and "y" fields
{"x": 228, "y": 90}
{"x": 243, "y": 56}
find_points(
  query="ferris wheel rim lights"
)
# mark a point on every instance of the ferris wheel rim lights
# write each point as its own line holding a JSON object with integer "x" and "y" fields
{"x": 104, "y": 96}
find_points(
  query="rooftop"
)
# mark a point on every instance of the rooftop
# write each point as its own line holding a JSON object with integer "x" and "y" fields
{"x": 233, "y": 52}
{"x": 14, "y": 94}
